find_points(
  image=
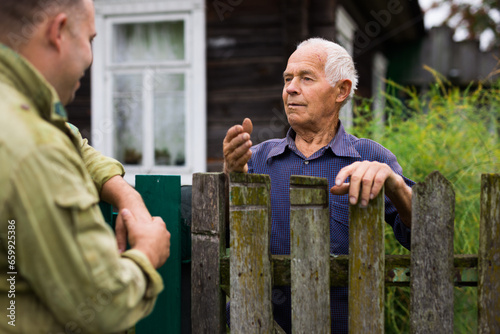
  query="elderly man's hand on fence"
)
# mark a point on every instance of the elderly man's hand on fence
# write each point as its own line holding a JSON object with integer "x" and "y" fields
{"x": 236, "y": 147}
{"x": 373, "y": 176}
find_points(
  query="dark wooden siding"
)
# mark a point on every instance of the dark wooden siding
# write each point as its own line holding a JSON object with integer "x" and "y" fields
{"x": 247, "y": 51}
{"x": 462, "y": 63}
{"x": 245, "y": 60}
{"x": 79, "y": 110}
{"x": 248, "y": 44}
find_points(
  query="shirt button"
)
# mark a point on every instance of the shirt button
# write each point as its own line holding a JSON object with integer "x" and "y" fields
{"x": 306, "y": 162}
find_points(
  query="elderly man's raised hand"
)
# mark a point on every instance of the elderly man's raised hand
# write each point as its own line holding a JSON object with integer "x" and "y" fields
{"x": 236, "y": 147}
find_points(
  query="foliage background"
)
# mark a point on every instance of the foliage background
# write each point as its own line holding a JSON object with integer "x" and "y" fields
{"x": 471, "y": 20}
{"x": 451, "y": 130}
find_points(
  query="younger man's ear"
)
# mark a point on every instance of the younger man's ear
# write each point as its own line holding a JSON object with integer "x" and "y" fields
{"x": 56, "y": 27}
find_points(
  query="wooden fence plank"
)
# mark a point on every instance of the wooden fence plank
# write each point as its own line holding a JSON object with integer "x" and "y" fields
{"x": 366, "y": 267}
{"x": 208, "y": 244}
{"x": 489, "y": 255}
{"x": 397, "y": 270}
{"x": 433, "y": 214}
{"x": 251, "y": 281}
{"x": 162, "y": 196}
{"x": 310, "y": 254}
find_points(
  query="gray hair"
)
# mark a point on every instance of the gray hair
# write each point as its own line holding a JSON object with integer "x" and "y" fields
{"x": 339, "y": 64}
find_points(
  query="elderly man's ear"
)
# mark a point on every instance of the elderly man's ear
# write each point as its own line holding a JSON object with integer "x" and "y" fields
{"x": 344, "y": 87}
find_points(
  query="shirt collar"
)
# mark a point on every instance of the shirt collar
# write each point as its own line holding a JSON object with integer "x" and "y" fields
{"x": 340, "y": 144}
{"x": 281, "y": 146}
{"x": 17, "y": 72}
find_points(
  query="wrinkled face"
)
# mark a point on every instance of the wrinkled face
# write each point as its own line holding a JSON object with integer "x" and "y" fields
{"x": 77, "y": 50}
{"x": 308, "y": 97}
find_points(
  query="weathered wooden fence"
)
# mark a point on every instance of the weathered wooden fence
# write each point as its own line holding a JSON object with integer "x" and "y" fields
{"x": 248, "y": 271}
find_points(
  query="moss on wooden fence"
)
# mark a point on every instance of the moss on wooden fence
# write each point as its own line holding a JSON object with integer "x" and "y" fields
{"x": 434, "y": 265}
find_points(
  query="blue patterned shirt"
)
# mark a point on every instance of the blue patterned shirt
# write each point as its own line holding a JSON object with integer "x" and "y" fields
{"x": 280, "y": 158}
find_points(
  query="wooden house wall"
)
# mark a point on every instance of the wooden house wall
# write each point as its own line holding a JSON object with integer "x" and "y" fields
{"x": 248, "y": 43}
{"x": 79, "y": 110}
{"x": 245, "y": 60}
{"x": 462, "y": 63}
{"x": 247, "y": 51}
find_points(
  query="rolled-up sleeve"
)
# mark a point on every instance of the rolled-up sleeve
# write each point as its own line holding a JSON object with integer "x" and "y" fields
{"x": 66, "y": 252}
{"x": 100, "y": 167}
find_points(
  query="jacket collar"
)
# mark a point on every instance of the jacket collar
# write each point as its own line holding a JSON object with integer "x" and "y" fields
{"x": 17, "y": 72}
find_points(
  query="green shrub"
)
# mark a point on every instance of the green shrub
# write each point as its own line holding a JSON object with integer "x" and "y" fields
{"x": 455, "y": 132}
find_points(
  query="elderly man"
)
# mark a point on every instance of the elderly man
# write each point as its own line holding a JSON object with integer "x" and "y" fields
{"x": 61, "y": 271}
{"x": 319, "y": 78}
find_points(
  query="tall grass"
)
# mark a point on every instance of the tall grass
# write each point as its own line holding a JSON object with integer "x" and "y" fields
{"x": 455, "y": 132}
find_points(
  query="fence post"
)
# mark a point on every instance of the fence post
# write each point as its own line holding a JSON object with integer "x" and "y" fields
{"x": 366, "y": 267}
{"x": 431, "y": 280}
{"x": 208, "y": 243}
{"x": 250, "y": 270}
{"x": 310, "y": 254}
{"x": 162, "y": 196}
{"x": 489, "y": 255}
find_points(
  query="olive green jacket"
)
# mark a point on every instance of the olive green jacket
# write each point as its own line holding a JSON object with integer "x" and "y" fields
{"x": 60, "y": 270}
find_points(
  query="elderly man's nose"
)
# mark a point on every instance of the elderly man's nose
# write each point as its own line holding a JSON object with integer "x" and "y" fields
{"x": 293, "y": 87}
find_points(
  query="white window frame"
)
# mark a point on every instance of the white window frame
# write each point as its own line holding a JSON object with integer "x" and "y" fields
{"x": 109, "y": 12}
{"x": 346, "y": 28}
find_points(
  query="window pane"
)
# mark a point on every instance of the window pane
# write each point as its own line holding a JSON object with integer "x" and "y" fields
{"x": 151, "y": 41}
{"x": 169, "y": 119}
{"x": 127, "y": 109}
